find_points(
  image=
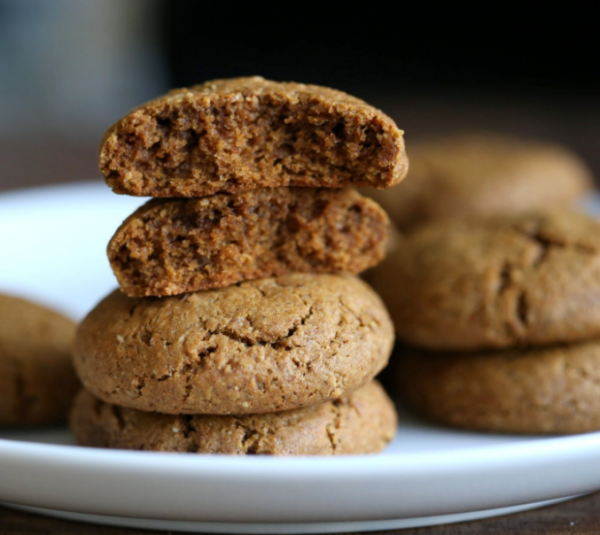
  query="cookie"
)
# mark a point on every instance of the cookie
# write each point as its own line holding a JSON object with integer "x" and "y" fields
{"x": 244, "y": 133}
{"x": 37, "y": 380}
{"x": 483, "y": 174}
{"x": 543, "y": 390}
{"x": 172, "y": 246}
{"x": 361, "y": 422}
{"x": 260, "y": 346}
{"x": 500, "y": 282}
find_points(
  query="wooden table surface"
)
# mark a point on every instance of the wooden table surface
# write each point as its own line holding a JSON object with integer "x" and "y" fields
{"x": 46, "y": 159}
{"x": 579, "y": 516}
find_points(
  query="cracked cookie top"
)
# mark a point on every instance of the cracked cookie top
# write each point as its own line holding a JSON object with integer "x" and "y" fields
{"x": 261, "y": 346}
{"x": 37, "y": 380}
{"x": 500, "y": 282}
{"x": 243, "y": 133}
{"x": 363, "y": 421}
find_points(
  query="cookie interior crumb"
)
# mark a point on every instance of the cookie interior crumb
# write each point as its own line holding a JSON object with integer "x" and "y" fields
{"x": 173, "y": 246}
{"x": 239, "y": 134}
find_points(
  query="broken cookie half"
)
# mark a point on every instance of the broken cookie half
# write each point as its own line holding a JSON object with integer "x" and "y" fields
{"x": 245, "y": 133}
{"x": 173, "y": 246}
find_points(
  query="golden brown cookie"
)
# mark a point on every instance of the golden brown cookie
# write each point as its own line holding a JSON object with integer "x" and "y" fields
{"x": 467, "y": 284}
{"x": 244, "y": 133}
{"x": 37, "y": 380}
{"x": 483, "y": 174}
{"x": 172, "y": 246}
{"x": 361, "y": 422}
{"x": 260, "y": 346}
{"x": 547, "y": 390}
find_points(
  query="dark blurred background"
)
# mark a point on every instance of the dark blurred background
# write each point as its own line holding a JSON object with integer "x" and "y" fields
{"x": 69, "y": 68}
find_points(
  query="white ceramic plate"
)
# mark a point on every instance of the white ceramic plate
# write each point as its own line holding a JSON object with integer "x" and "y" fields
{"x": 52, "y": 243}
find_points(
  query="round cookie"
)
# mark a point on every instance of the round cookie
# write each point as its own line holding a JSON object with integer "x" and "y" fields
{"x": 547, "y": 390}
{"x": 37, "y": 380}
{"x": 361, "y": 422}
{"x": 260, "y": 346}
{"x": 483, "y": 174}
{"x": 245, "y": 133}
{"x": 468, "y": 284}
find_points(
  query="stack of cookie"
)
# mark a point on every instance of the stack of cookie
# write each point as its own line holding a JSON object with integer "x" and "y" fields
{"x": 503, "y": 316}
{"x": 240, "y": 326}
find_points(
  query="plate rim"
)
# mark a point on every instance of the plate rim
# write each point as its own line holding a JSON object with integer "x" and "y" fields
{"x": 511, "y": 453}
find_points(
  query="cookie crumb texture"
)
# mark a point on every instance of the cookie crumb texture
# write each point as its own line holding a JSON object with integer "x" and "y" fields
{"x": 244, "y": 133}
{"x": 362, "y": 422}
{"x": 168, "y": 247}
{"x": 477, "y": 283}
{"x": 37, "y": 379}
{"x": 260, "y": 346}
{"x": 542, "y": 391}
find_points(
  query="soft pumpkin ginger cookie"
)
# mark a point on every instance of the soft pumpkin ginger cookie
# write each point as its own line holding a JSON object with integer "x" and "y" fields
{"x": 483, "y": 174}
{"x": 500, "y": 282}
{"x": 537, "y": 390}
{"x": 361, "y": 422}
{"x": 261, "y": 346}
{"x": 37, "y": 379}
{"x": 244, "y": 133}
{"x": 172, "y": 246}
